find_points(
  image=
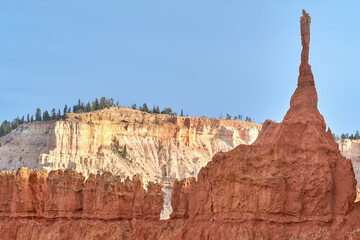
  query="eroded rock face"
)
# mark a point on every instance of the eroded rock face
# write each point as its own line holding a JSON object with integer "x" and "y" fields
{"x": 160, "y": 147}
{"x": 291, "y": 183}
{"x": 66, "y": 194}
{"x": 293, "y": 174}
{"x": 350, "y": 148}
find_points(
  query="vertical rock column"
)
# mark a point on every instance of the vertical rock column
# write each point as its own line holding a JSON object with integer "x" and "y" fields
{"x": 306, "y": 77}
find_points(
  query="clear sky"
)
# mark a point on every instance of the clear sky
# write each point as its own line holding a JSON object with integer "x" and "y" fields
{"x": 206, "y": 57}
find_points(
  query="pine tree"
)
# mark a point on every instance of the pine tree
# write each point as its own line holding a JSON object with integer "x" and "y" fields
{"x": 133, "y": 106}
{"x": 28, "y": 118}
{"x": 53, "y": 114}
{"x": 38, "y": 115}
{"x": 88, "y": 107}
{"x": 102, "y": 102}
{"x": 46, "y": 116}
{"x": 182, "y": 113}
{"x": 65, "y": 109}
{"x": 167, "y": 111}
{"x": 3, "y": 129}
{"x": 32, "y": 118}
{"x": 228, "y": 117}
{"x": 96, "y": 105}
{"x": 145, "y": 108}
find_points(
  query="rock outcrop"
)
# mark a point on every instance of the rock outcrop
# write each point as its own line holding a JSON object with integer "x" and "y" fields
{"x": 291, "y": 183}
{"x": 66, "y": 194}
{"x": 160, "y": 147}
{"x": 35, "y": 204}
{"x": 350, "y": 148}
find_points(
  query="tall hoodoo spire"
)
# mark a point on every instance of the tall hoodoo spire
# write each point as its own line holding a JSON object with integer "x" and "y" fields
{"x": 305, "y": 78}
{"x": 305, "y": 95}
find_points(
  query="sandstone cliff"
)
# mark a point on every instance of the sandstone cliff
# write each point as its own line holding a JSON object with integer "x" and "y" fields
{"x": 70, "y": 207}
{"x": 350, "y": 148}
{"x": 66, "y": 194}
{"x": 291, "y": 183}
{"x": 160, "y": 147}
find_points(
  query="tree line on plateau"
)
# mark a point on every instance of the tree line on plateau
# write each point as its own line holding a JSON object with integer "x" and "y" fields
{"x": 80, "y": 107}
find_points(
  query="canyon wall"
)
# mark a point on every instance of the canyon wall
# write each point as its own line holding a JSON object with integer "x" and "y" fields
{"x": 291, "y": 183}
{"x": 35, "y": 204}
{"x": 66, "y": 194}
{"x": 350, "y": 148}
{"x": 160, "y": 147}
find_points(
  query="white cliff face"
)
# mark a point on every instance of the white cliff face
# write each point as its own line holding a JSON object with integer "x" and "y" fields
{"x": 23, "y": 146}
{"x": 160, "y": 147}
{"x": 350, "y": 148}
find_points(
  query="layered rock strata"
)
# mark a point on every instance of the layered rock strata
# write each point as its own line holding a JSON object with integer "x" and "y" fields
{"x": 350, "y": 148}
{"x": 160, "y": 147}
{"x": 291, "y": 183}
{"x": 66, "y": 194}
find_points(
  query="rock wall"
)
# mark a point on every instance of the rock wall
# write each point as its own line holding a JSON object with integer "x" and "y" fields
{"x": 291, "y": 183}
{"x": 350, "y": 148}
{"x": 160, "y": 147}
{"x": 66, "y": 194}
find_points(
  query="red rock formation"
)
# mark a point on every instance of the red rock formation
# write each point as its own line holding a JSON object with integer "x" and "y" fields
{"x": 66, "y": 194}
{"x": 291, "y": 182}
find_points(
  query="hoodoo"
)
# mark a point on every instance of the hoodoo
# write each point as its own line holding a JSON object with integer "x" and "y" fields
{"x": 291, "y": 182}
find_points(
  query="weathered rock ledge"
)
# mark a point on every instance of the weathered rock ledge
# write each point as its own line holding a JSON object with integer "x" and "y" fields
{"x": 66, "y": 194}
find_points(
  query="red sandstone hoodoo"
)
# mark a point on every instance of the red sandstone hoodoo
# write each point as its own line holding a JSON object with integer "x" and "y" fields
{"x": 292, "y": 183}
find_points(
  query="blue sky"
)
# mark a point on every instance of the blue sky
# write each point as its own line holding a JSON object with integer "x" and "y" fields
{"x": 206, "y": 57}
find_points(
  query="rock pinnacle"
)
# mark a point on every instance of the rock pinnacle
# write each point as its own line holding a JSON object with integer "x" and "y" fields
{"x": 305, "y": 78}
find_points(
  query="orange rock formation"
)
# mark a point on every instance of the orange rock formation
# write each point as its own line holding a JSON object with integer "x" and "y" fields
{"x": 65, "y": 194}
{"x": 292, "y": 183}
